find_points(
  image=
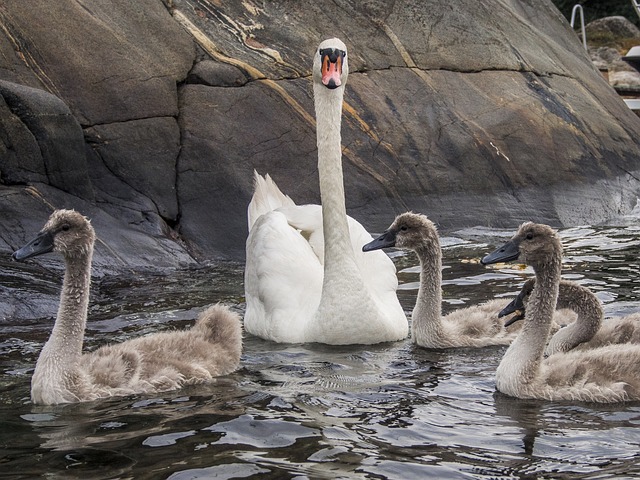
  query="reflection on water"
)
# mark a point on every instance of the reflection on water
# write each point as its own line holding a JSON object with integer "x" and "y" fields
{"x": 383, "y": 411}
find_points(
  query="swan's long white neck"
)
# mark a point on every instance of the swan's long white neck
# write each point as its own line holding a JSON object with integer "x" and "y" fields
{"x": 337, "y": 243}
{"x": 64, "y": 346}
{"x": 521, "y": 362}
{"x": 346, "y": 313}
{"x": 427, "y": 314}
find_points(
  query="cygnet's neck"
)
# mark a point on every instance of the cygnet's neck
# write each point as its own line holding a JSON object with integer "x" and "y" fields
{"x": 427, "y": 326}
{"x": 521, "y": 361}
{"x": 68, "y": 332}
{"x": 586, "y": 305}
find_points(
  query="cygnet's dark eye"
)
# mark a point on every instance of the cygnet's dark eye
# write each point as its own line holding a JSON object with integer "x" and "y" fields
{"x": 66, "y": 227}
{"x": 529, "y": 236}
{"x": 404, "y": 228}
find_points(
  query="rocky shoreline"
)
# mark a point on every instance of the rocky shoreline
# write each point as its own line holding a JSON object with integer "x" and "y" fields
{"x": 150, "y": 117}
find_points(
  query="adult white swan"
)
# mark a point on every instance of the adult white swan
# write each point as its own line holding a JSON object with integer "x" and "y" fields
{"x": 605, "y": 374}
{"x": 306, "y": 277}
{"x": 153, "y": 363}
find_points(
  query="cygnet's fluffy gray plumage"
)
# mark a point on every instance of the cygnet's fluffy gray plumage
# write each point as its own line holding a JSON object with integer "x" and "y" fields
{"x": 590, "y": 329}
{"x": 605, "y": 374}
{"x": 154, "y": 363}
{"x": 474, "y": 326}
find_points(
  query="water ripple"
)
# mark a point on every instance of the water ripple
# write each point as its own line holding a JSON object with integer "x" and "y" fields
{"x": 312, "y": 411}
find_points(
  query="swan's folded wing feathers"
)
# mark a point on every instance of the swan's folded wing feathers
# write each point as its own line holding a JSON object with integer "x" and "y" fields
{"x": 219, "y": 325}
{"x": 477, "y": 321}
{"x": 619, "y": 330}
{"x": 595, "y": 374}
{"x": 376, "y": 267}
{"x": 283, "y": 279}
{"x": 307, "y": 219}
{"x": 266, "y": 197}
{"x": 378, "y": 272}
{"x": 112, "y": 366}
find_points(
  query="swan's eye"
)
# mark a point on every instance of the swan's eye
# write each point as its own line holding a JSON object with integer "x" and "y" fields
{"x": 66, "y": 227}
{"x": 404, "y": 228}
{"x": 529, "y": 236}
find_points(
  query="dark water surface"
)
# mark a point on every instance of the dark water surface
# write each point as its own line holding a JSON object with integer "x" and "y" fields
{"x": 313, "y": 411}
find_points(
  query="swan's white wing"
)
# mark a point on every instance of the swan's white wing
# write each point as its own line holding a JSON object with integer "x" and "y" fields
{"x": 283, "y": 280}
{"x": 307, "y": 219}
{"x": 377, "y": 269}
{"x": 284, "y": 272}
{"x": 378, "y": 273}
{"x": 266, "y": 197}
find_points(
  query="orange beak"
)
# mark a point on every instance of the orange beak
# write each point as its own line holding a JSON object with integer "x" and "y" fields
{"x": 331, "y": 71}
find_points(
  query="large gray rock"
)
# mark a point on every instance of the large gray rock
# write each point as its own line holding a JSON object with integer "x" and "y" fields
{"x": 473, "y": 114}
{"x": 615, "y": 27}
{"x": 216, "y": 74}
{"x": 120, "y": 245}
{"x": 142, "y": 154}
{"x": 110, "y": 60}
{"x": 59, "y": 157}
{"x": 612, "y": 37}
{"x": 503, "y": 120}
{"x": 20, "y": 156}
{"x": 89, "y": 106}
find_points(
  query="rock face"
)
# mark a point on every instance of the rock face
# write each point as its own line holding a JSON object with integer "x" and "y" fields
{"x": 150, "y": 118}
{"x": 611, "y": 37}
{"x": 612, "y": 26}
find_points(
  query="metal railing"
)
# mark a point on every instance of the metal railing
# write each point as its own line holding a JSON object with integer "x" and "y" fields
{"x": 578, "y": 8}
{"x": 636, "y": 4}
